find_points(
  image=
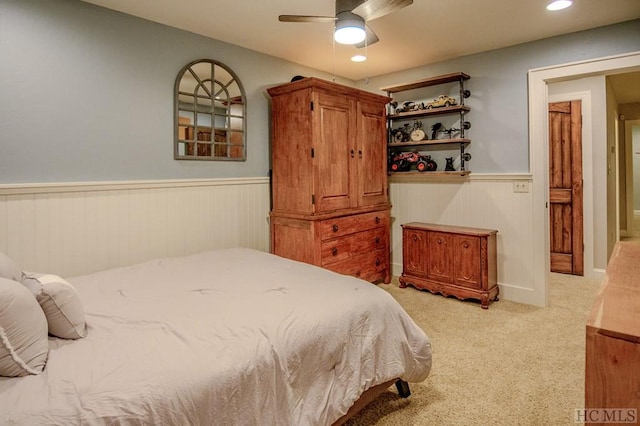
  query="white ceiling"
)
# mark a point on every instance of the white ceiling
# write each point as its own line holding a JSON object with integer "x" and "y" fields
{"x": 428, "y": 31}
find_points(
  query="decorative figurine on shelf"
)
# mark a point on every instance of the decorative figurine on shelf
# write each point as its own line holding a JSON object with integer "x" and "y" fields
{"x": 401, "y": 134}
{"x": 409, "y": 133}
{"x": 441, "y": 101}
{"x": 449, "y": 166}
{"x": 402, "y": 162}
{"x": 439, "y": 128}
{"x": 407, "y": 106}
{"x": 417, "y": 134}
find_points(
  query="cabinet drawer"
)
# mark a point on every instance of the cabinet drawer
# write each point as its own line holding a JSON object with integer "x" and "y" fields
{"x": 342, "y": 248}
{"x": 332, "y": 228}
{"x": 365, "y": 265}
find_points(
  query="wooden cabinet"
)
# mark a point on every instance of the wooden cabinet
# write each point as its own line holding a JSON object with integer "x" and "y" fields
{"x": 612, "y": 361}
{"x": 450, "y": 260}
{"x": 402, "y": 130}
{"x": 329, "y": 163}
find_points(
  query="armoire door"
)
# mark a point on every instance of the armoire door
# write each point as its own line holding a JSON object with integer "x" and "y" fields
{"x": 333, "y": 151}
{"x": 371, "y": 159}
{"x": 565, "y": 188}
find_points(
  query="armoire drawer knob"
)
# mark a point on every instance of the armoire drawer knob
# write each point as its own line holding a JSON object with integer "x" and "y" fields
{"x": 377, "y": 240}
{"x": 378, "y": 262}
{"x": 335, "y": 228}
{"x": 377, "y": 219}
{"x": 334, "y": 251}
{"x": 465, "y": 245}
{"x": 415, "y": 238}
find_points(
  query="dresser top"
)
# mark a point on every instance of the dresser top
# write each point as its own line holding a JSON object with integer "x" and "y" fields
{"x": 616, "y": 309}
{"x": 449, "y": 228}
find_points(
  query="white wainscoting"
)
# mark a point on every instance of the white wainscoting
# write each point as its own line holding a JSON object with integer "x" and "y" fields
{"x": 77, "y": 228}
{"x": 482, "y": 201}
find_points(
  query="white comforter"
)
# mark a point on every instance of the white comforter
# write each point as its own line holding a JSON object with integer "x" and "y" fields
{"x": 228, "y": 337}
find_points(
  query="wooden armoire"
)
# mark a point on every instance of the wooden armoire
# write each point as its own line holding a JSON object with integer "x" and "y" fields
{"x": 330, "y": 205}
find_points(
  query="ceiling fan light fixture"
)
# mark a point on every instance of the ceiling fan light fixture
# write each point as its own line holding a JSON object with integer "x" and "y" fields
{"x": 559, "y": 4}
{"x": 358, "y": 58}
{"x": 349, "y": 29}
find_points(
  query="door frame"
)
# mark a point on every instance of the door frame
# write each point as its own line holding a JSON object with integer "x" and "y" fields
{"x": 538, "y": 80}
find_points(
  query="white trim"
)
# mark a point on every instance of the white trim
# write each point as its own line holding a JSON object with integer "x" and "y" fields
{"x": 480, "y": 177}
{"x": 538, "y": 134}
{"x": 62, "y": 187}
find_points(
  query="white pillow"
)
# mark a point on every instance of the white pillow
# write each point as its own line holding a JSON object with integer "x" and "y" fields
{"x": 24, "y": 344}
{"x": 9, "y": 269}
{"x": 61, "y": 304}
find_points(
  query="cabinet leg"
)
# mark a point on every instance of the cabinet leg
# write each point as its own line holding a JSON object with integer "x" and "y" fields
{"x": 402, "y": 283}
{"x": 403, "y": 388}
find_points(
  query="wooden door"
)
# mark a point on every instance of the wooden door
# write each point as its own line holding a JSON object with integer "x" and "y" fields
{"x": 333, "y": 152}
{"x": 371, "y": 155}
{"x": 565, "y": 188}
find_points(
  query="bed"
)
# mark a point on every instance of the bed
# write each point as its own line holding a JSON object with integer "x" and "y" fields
{"x": 230, "y": 337}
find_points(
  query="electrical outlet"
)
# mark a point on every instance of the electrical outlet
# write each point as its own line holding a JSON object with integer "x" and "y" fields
{"x": 520, "y": 186}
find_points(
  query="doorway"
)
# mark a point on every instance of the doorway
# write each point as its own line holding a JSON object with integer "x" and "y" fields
{"x": 630, "y": 165}
{"x": 595, "y": 202}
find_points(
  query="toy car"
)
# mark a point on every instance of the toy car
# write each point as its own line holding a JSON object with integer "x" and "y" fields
{"x": 400, "y": 162}
{"x": 407, "y": 106}
{"x": 441, "y": 101}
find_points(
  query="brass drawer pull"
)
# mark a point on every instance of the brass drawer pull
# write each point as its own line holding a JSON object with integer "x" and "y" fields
{"x": 335, "y": 228}
{"x": 334, "y": 251}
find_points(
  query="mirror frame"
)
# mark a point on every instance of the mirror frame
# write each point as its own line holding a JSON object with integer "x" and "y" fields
{"x": 211, "y": 146}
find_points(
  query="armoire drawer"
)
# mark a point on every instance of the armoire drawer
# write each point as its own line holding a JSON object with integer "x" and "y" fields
{"x": 368, "y": 266}
{"x": 345, "y": 225}
{"x": 343, "y": 248}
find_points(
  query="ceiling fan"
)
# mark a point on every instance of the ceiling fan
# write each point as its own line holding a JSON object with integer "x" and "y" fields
{"x": 350, "y": 18}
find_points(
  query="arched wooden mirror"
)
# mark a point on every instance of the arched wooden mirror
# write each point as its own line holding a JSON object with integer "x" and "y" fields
{"x": 210, "y": 113}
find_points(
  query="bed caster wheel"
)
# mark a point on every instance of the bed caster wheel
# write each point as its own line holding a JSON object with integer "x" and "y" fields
{"x": 403, "y": 388}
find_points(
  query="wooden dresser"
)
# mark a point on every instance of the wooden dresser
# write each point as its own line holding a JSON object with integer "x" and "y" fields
{"x": 330, "y": 205}
{"x": 612, "y": 375}
{"x": 450, "y": 260}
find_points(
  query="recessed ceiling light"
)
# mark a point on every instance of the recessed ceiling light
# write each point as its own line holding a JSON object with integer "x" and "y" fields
{"x": 358, "y": 58}
{"x": 559, "y": 4}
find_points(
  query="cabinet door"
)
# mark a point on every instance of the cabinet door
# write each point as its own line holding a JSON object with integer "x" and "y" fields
{"x": 440, "y": 256}
{"x": 333, "y": 150}
{"x": 414, "y": 252}
{"x": 371, "y": 155}
{"x": 466, "y": 258}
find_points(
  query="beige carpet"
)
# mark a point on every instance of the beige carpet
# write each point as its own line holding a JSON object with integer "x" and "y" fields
{"x": 512, "y": 364}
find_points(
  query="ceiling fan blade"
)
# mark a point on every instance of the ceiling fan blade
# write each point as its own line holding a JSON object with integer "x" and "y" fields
{"x": 305, "y": 18}
{"x": 374, "y": 9}
{"x": 370, "y": 39}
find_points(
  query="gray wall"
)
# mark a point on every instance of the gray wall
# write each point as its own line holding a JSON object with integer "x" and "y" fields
{"x": 499, "y": 90}
{"x": 87, "y": 93}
